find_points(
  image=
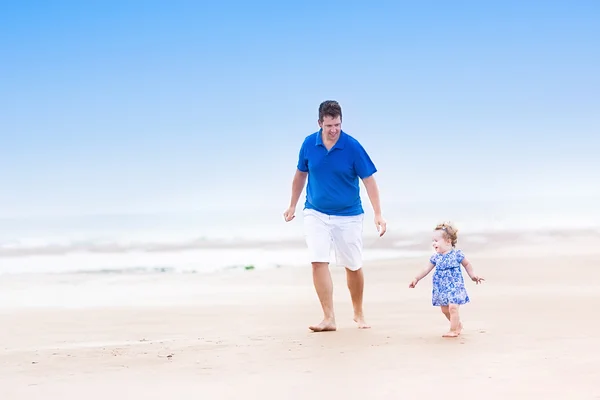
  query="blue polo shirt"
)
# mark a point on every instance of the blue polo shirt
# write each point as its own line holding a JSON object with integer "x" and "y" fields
{"x": 333, "y": 176}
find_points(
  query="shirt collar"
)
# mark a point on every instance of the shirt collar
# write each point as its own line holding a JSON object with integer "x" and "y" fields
{"x": 338, "y": 145}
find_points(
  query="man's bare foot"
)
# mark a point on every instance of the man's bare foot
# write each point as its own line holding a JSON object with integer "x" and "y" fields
{"x": 360, "y": 320}
{"x": 327, "y": 325}
{"x": 451, "y": 334}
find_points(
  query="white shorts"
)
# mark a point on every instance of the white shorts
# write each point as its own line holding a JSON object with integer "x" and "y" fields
{"x": 321, "y": 231}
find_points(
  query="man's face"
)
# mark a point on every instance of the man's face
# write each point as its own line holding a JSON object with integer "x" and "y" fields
{"x": 331, "y": 127}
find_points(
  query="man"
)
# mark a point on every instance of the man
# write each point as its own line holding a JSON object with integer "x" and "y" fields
{"x": 333, "y": 213}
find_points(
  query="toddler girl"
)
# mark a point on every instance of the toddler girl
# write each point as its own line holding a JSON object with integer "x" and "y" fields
{"x": 449, "y": 290}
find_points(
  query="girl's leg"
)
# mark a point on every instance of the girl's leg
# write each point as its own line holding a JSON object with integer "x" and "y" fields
{"x": 455, "y": 324}
{"x": 446, "y": 311}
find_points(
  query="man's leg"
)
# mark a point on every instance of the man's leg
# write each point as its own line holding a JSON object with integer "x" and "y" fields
{"x": 347, "y": 239}
{"x": 318, "y": 239}
{"x": 324, "y": 287}
{"x": 356, "y": 283}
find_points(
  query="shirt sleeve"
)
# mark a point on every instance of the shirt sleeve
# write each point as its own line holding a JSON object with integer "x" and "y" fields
{"x": 363, "y": 165}
{"x": 460, "y": 256}
{"x": 432, "y": 258}
{"x": 302, "y": 160}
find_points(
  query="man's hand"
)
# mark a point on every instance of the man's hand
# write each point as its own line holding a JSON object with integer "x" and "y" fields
{"x": 380, "y": 224}
{"x": 288, "y": 214}
{"x": 373, "y": 193}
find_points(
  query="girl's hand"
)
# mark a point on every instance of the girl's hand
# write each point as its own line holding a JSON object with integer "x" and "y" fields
{"x": 413, "y": 283}
{"x": 477, "y": 279}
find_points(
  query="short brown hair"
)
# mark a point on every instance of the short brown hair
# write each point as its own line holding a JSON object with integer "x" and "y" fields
{"x": 450, "y": 231}
{"x": 330, "y": 108}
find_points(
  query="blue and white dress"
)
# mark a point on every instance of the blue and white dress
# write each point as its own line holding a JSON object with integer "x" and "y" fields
{"x": 448, "y": 282}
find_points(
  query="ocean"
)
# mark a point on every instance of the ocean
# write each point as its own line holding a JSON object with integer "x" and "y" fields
{"x": 247, "y": 239}
{"x": 162, "y": 258}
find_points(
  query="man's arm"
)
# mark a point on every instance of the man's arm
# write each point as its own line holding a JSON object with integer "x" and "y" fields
{"x": 297, "y": 186}
{"x": 373, "y": 192}
{"x": 297, "y": 183}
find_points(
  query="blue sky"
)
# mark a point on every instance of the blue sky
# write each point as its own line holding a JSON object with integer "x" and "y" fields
{"x": 144, "y": 106}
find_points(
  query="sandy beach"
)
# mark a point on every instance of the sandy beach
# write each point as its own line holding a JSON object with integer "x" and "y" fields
{"x": 531, "y": 331}
{"x": 169, "y": 170}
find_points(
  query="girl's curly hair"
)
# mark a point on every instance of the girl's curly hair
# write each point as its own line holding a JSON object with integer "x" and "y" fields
{"x": 450, "y": 231}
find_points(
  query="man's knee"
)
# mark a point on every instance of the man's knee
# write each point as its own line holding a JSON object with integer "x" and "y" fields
{"x": 319, "y": 264}
{"x": 354, "y": 278}
{"x": 353, "y": 270}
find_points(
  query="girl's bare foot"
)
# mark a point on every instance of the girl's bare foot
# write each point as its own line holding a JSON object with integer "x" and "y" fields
{"x": 455, "y": 333}
{"x": 327, "y": 325}
{"x": 451, "y": 334}
{"x": 360, "y": 320}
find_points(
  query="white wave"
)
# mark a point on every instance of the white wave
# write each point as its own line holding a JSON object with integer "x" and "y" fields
{"x": 202, "y": 260}
{"x": 177, "y": 232}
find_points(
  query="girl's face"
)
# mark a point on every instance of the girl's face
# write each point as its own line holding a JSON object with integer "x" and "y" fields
{"x": 440, "y": 243}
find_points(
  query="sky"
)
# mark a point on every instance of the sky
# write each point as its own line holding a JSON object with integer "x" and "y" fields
{"x": 156, "y": 106}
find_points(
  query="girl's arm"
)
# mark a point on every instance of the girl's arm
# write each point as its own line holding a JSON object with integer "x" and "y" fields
{"x": 421, "y": 275}
{"x": 469, "y": 268}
